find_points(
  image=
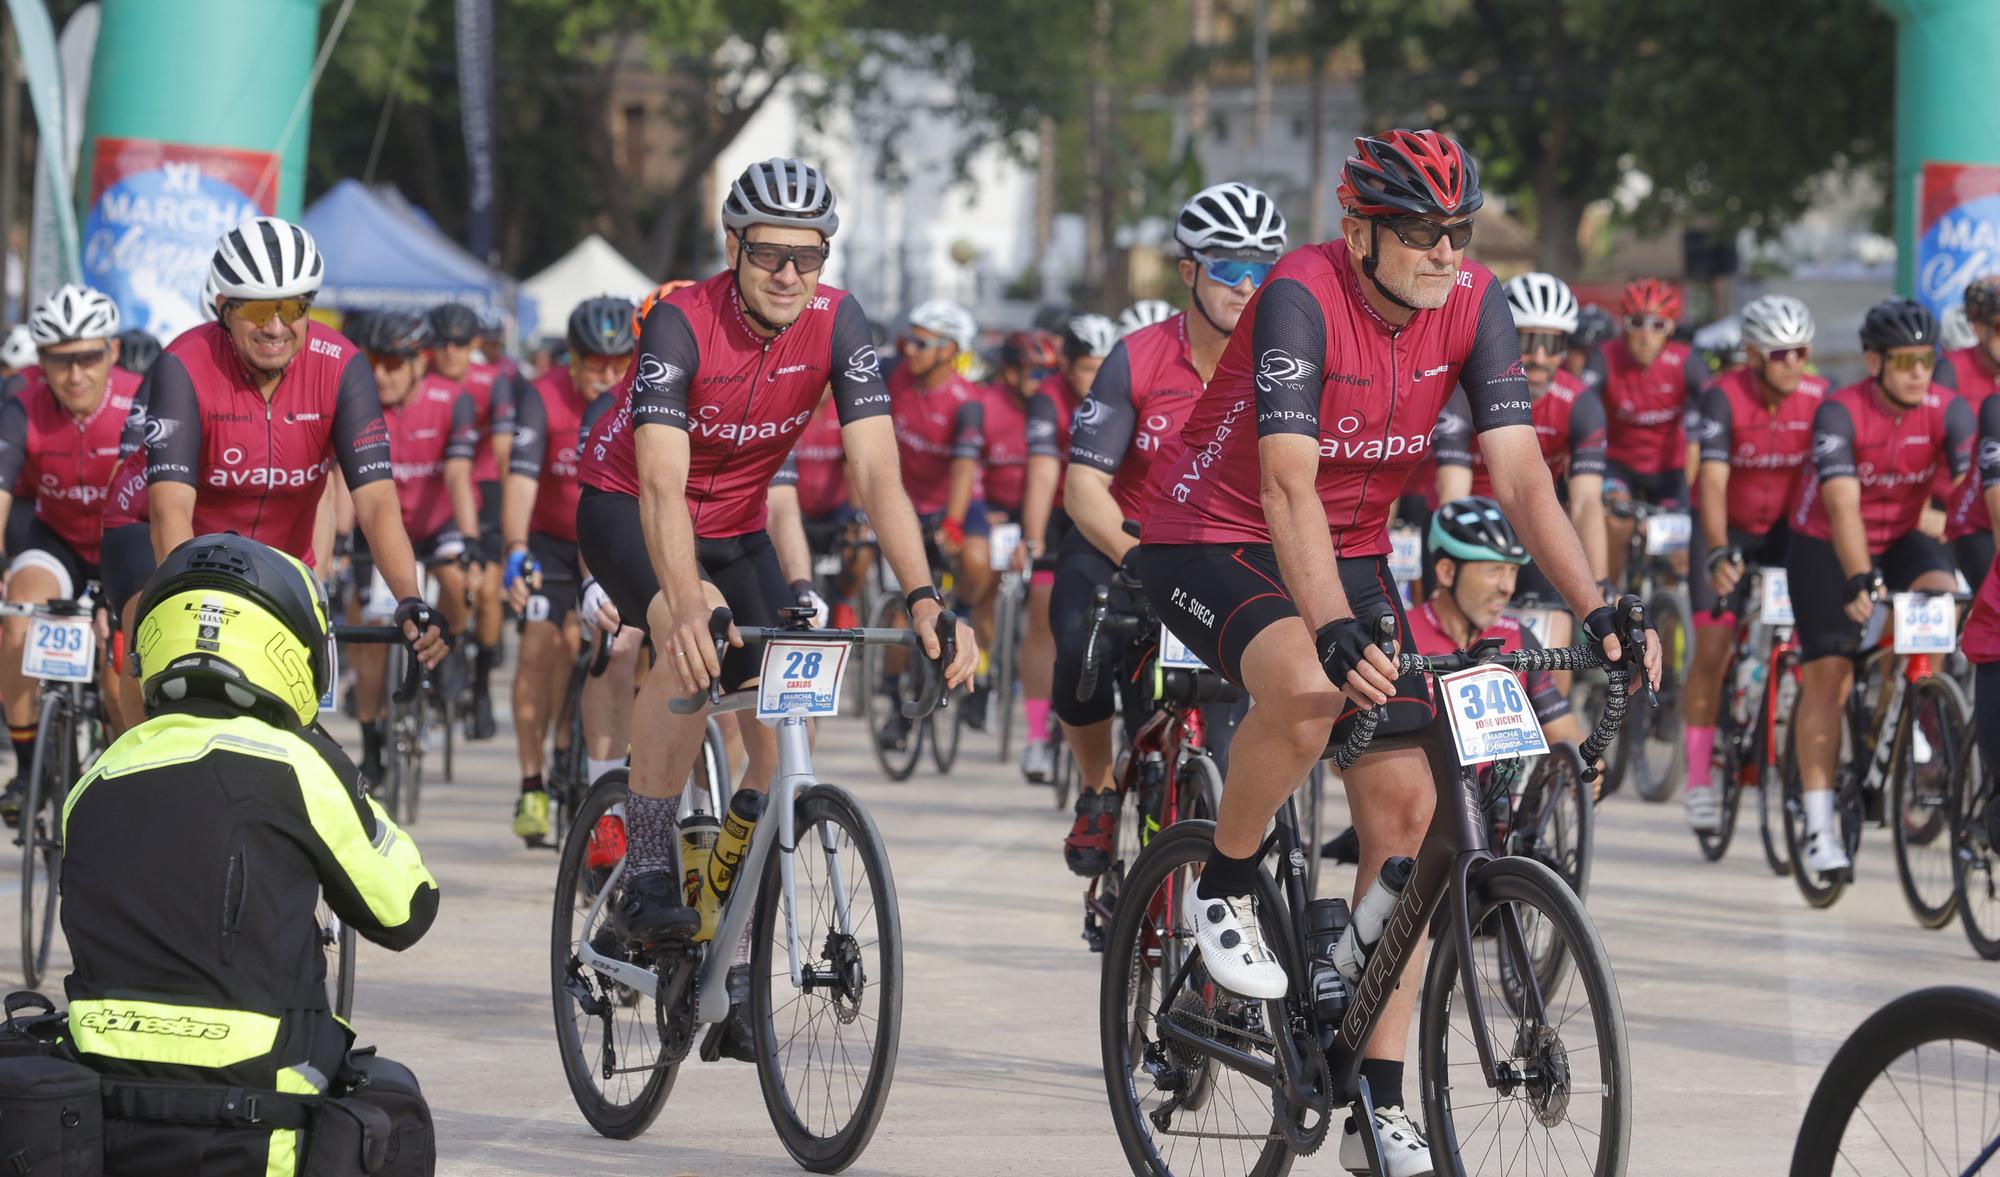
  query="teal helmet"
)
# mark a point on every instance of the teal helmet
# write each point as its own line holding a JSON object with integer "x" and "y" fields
{"x": 1473, "y": 528}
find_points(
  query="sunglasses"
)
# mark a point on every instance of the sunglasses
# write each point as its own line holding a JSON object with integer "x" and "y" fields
{"x": 1790, "y": 355}
{"x": 598, "y": 363}
{"x": 912, "y": 343}
{"x": 446, "y": 342}
{"x": 1424, "y": 233}
{"x": 772, "y": 258}
{"x": 55, "y": 361}
{"x": 1910, "y": 361}
{"x": 1648, "y": 323}
{"x": 259, "y": 311}
{"x": 388, "y": 361}
{"x": 1232, "y": 272}
{"x": 1553, "y": 343}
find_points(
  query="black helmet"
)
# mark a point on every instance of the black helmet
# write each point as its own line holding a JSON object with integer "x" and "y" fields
{"x": 1594, "y": 325}
{"x": 137, "y": 350}
{"x": 395, "y": 333}
{"x": 454, "y": 322}
{"x": 1473, "y": 528}
{"x": 1982, "y": 299}
{"x": 601, "y": 326}
{"x": 1898, "y": 322}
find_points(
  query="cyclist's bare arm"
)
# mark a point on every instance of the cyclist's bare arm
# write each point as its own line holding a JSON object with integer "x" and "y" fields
{"x": 172, "y": 506}
{"x": 787, "y": 527}
{"x": 1087, "y": 495}
{"x": 1586, "y": 514}
{"x": 1038, "y": 499}
{"x": 379, "y": 515}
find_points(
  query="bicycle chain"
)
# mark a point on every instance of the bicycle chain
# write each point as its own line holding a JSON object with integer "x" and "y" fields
{"x": 1304, "y": 1141}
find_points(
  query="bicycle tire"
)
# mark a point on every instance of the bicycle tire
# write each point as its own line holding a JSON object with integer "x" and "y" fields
{"x": 714, "y": 767}
{"x": 621, "y": 1119}
{"x": 945, "y": 730}
{"x": 1006, "y": 670}
{"x": 1125, "y": 978}
{"x": 880, "y": 705}
{"x": 1064, "y": 777}
{"x": 409, "y": 735}
{"x": 1726, "y": 770}
{"x": 339, "y": 945}
{"x": 1924, "y": 851}
{"x": 1312, "y": 819}
{"x": 819, "y": 808}
{"x": 1976, "y": 868}
{"x": 1528, "y": 883}
{"x": 1564, "y": 806}
{"x": 1817, "y": 890}
{"x": 41, "y": 833}
{"x": 1943, "y": 1014}
{"x": 1659, "y": 755}
{"x": 389, "y": 791}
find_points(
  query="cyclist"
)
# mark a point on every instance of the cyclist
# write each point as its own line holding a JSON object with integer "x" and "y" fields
{"x": 433, "y": 432}
{"x": 1975, "y": 373}
{"x": 538, "y": 523}
{"x": 1029, "y": 362}
{"x": 1754, "y": 426}
{"x": 1144, "y": 313}
{"x": 197, "y": 848}
{"x": 1594, "y": 328}
{"x": 1648, "y": 379}
{"x": 684, "y": 460}
{"x": 1265, "y": 547}
{"x": 1230, "y": 235}
{"x": 248, "y": 414}
{"x": 1877, "y": 448}
{"x": 58, "y": 436}
{"x": 825, "y": 510}
{"x": 458, "y": 331}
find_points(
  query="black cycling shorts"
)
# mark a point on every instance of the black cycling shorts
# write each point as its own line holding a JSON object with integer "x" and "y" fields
{"x": 1974, "y": 551}
{"x": 491, "y": 549}
{"x": 125, "y": 557}
{"x": 562, "y": 583}
{"x": 1668, "y": 488}
{"x": 744, "y": 567}
{"x": 1080, "y": 570}
{"x": 1759, "y": 551}
{"x": 42, "y": 548}
{"x": 1218, "y": 597}
{"x": 1819, "y": 588}
{"x": 19, "y": 516}
{"x": 1053, "y": 537}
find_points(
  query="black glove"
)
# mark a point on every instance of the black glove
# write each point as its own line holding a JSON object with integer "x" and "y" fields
{"x": 1721, "y": 556}
{"x": 1343, "y": 644}
{"x": 414, "y": 610}
{"x": 1867, "y": 583}
{"x": 1607, "y": 620}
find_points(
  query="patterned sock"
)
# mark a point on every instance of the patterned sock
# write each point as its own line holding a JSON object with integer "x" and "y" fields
{"x": 650, "y": 833}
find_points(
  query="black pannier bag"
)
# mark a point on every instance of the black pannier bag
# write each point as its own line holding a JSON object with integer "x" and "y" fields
{"x": 51, "y": 1118}
{"x": 389, "y": 1085}
{"x": 33, "y": 1027}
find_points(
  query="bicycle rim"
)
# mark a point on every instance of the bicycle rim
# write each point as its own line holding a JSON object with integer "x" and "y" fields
{"x": 41, "y": 835}
{"x": 1065, "y": 773}
{"x": 1570, "y": 1110}
{"x": 1006, "y": 669}
{"x": 1726, "y": 772}
{"x": 945, "y": 730}
{"x": 881, "y": 702}
{"x": 1973, "y": 870}
{"x": 826, "y": 1052}
{"x": 337, "y": 941}
{"x": 1817, "y": 890}
{"x": 1563, "y": 825}
{"x": 1924, "y": 799}
{"x": 1660, "y": 756}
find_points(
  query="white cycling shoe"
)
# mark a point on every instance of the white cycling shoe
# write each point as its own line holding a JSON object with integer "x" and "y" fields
{"x": 1826, "y": 853}
{"x": 1405, "y": 1152}
{"x": 1038, "y": 762}
{"x": 1232, "y": 945}
{"x": 1704, "y": 808}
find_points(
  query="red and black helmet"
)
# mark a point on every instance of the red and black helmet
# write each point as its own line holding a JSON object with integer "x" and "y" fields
{"x": 1405, "y": 172}
{"x": 1650, "y": 296}
{"x": 1031, "y": 349}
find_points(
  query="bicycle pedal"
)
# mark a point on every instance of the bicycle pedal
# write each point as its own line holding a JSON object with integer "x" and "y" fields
{"x": 711, "y": 1042}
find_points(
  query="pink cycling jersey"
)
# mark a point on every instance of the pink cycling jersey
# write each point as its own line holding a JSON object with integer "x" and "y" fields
{"x": 1896, "y": 453}
{"x": 439, "y": 421}
{"x": 1569, "y": 427}
{"x": 1311, "y": 357}
{"x": 65, "y": 461}
{"x": 1645, "y": 407}
{"x": 493, "y": 389}
{"x": 1003, "y": 443}
{"x": 1141, "y": 399}
{"x": 1049, "y": 412}
{"x": 934, "y": 427}
{"x": 742, "y": 399}
{"x": 1765, "y": 447}
{"x": 822, "y": 464}
{"x": 552, "y": 423}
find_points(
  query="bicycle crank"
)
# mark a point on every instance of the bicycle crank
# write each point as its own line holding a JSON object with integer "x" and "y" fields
{"x": 1301, "y": 1138}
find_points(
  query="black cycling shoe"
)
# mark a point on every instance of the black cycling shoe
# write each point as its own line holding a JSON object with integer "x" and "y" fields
{"x": 649, "y": 910}
{"x": 1087, "y": 850}
{"x": 481, "y": 725}
{"x": 895, "y": 733}
{"x": 976, "y": 704}
{"x": 1344, "y": 846}
{"x": 373, "y": 774}
{"x": 11, "y": 799}
{"x": 739, "y": 1041}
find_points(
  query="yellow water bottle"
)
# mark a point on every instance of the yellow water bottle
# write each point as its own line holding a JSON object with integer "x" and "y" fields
{"x": 699, "y": 832}
{"x": 744, "y": 810}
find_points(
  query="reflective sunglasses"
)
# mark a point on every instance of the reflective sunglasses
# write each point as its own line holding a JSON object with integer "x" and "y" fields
{"x": 1424, "y": 233}
{"x": 1038, "y": 375}
{"x": 598, "y": 363}
{"x": 1553, "y": 343}
{"x": 1790, "y": 355}
{"x": 772, "y": 258}
{"x": 55, "y": 361}
{"x": 259, "y": 311}
{"x": 1648, "y": 323}
{"x": 1231, "y": 272}
{"x": 388, "y": 361}
{"x": 1911, "y": 361}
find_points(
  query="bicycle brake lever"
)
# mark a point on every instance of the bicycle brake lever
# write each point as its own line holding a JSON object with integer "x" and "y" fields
{"x": 1635, "y": 634}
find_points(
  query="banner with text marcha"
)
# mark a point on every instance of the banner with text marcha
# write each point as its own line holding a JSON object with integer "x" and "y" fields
{"x": 1958, "y": 231}
{"x": 155, "y": 212}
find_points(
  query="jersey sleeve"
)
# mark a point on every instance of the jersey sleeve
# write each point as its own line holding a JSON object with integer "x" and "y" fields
{"x": 1044, "y": 431}
{"x": 1713, "y": 421}
{"x": 132, "y": 435}
{"x": 463, "y": 441}
{"x": 1288, "y": 342}
{"x": 1695, "y": 374}
{"x": 14, "y": 440}
{"x": 369, "y": 869}
{"x": 360, "y": 435}
{"x": 1495, "y": 388}
{"x": 1101, "y": 429}
{"x": 858, "y": 389}
{"x": 1945, "y": 373}
{"x": 500, "y": 401}
{"x": 531, "y": 434}
{"x": 788, "y": 474}
{"x": 968, "y": 431}
{"x": 668, "y": 361}
{"x": 1958, "y": 430}
{"x": 173, "y": 424}
{"x": 1587, "y": 432}
{"x": 1833, "y": 442}
{"x": 1451, "y": 441}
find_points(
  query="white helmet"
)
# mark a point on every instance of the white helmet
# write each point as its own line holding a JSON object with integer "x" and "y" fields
{"x": 73, "y": 313}
{"x": 947, "y": 319}
{"x": 780, "y": 192}
{"x": 1089, "y": 335}
{"x": 1541, "y": 302}
{"x": 1144, "y": 313}
{"x": 1231, "y": 218}
{"x": 266, "y": 258}
{"x": 19, "y": 349}
{"x": 1955, "y": 330}
{"x": 1776, "y": 321}
{"x": 209, "y": 296}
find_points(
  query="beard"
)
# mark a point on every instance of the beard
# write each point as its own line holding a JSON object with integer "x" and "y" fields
{"x": 1413, "y": 289}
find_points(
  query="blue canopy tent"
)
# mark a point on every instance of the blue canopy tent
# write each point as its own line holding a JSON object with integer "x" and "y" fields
{"x": 381, "y": 254}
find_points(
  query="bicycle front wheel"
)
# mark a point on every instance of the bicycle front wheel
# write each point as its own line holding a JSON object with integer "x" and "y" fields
{"x": 1006, "y": 669}
{"x": 1924, "y": 791}
{"x": 1556, "y": 823}
{"x": 337, "y": 941}
{"x": 888, "y": 680}
{"x": 1659, "y": 753}
{"x": 1910, "y": 1091}
{"x": 1817, "y": 889}
{"x": 49, "y": 779}
{"x": 1976, "y": 869}
{"x": 826, "y": 1040}
{"x": 1572, "y": 1101}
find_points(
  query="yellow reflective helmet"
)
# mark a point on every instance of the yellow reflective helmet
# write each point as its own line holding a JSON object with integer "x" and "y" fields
{"x": 229, "y": 618}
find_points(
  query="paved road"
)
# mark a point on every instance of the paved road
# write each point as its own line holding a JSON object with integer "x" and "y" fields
{"x": 1735, "y": 993}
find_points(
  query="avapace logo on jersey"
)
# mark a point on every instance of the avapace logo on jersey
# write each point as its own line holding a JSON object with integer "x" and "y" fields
{"x": 1154, "y": 434}
{"x": 81, "y": 493}
{"x": 1372, "y": 449}
{"x": 708, "y": 426}
{"x": 1199, "y": 459}
{"x": 232, "y": 477}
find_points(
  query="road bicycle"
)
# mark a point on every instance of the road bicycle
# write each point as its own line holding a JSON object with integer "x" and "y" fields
{"x": 1651, "y": 751}
{"x": 405, "y": 719}
{"x": 1760, "y": 690}
{"x": 888, "y": 687}
{"x": 1010, "y": 619}
{"x": 813, "y": 890}
{"x": 1910, "y": 1091}
{"x": 1203, "y": 1081}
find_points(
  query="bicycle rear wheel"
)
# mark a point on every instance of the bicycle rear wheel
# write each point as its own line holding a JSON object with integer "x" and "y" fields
{"x": 1924, "y": 792}
{"x": 883, "y": 694}
{"x": 1659, "y": 753}
{"x": 1776, "y": 735}
{"x": 1065, "y": 777}
{"x": 337, "y": 941}
{"x": 1726, "y": 770}
{"x": 1910, "y": 1091}
{"x": 1006, "y": 668}
{"x": 826, "y": 1049}
{"x": 1572, "y": 1102}
{"x": 49, "y": 779}
{"x": 1818, "y": 890}
{"x": 1976, "y": 869}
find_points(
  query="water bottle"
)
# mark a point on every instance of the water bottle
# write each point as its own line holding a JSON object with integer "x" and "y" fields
{"x": 1326, "y": 922}
{"x": 1350, "y": 955}
{"x": 744, "y": 810}
{"x": 699, "y": 832}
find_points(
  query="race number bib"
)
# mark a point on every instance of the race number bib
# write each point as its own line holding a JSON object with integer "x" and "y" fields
{"x": 1174, "y": 654}
{"x": 381, "y": 605}
{"x": 1406, "y": 554}
{"x": 1668, "y": 533}
{"x": 826, "y": 564}
{"x": 1491, "y": 716}
{"x": 801, "y": 678}
{"x": 1926, "y": 624}
{"x": 59, "y": 648}
{"x": 1774, "y": 601}
{"x": 1001, "y": 543}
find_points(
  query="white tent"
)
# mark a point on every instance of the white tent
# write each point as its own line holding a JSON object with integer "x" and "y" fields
{"x": 594, "y": 267}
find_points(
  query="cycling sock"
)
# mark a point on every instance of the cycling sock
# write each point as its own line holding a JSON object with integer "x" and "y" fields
{"x": 24, "y": 747}
{"x": 482, "y": 667}
{"x": 1226, "y": 878}
{"x": 1038, "y": 720}
{"x": 1819, "y": 811}
{"x": 597, "y": 768}
{"x": 1385, "y": 1082}
{"x": 650, "y": 833}
{"x": 532, "y": 784}
{"x": 1700, "y": 746}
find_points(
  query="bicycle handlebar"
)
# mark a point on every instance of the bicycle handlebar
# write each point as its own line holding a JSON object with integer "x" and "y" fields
{"x": 1101, "y": 620}
{"x": 601, "y": 655}
{"x": 414, "y": 673}
{"x": 932, "y": 669}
